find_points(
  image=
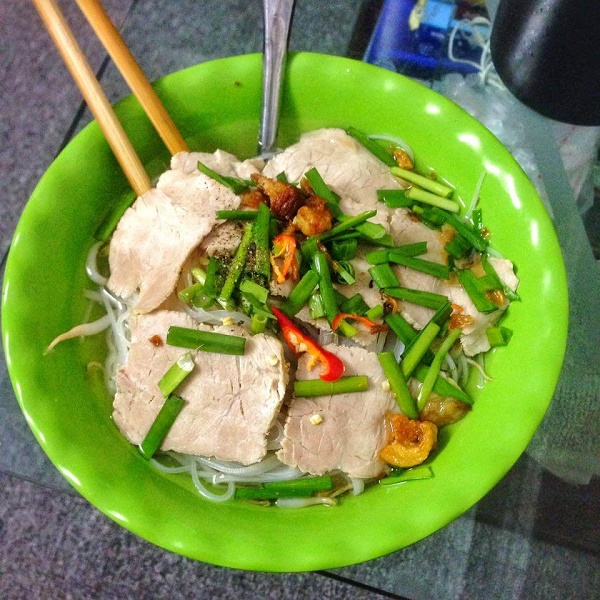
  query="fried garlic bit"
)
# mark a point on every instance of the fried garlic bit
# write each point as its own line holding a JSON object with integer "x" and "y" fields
{"x": 284, "y": 198}
{"x": 411, "y": 442}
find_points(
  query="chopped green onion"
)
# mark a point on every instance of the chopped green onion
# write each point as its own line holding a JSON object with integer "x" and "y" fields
{"x": 376, "y": 312}
{"x": 458, "y": 246}
{"x": 209, "y": 291}
{"x": 258, "y": 291}
{"x": 325, "y": 286}
{"x": 301, "y": 293}
{"x": 373, "y": 232}
{"x": 377, "y": 257}
{"x": 435, "y": 187}
{"x": 344, "y": 249}
{"x": 237, "y": 215}
{"x": 207, "y": 341}
{"x": 384, "y": 276}
{"x": 419, "y": 264}
{"x": 443, "y": 387}
{"x": 344, "y": 272}
{"x": 354, "y": 305}
{"x": 473, "y": 236}
{"x": 381, "y": 256}
{"x": 404, "y": 331}
{"x": 199, "y": 275}
{"x": 436, "y": 367}
{"x": 296, "y": 488}
{"x": 497, "y": 282}
{"x": 427, "y": 299}
{"x": 235, "y": 184}
{"x": 414, "y": 474}
{"x": 419, "y": 195}
{"x": 373, "y": 147}
{"x": 259, "y": 322}
{"x": 176, "y": 374}
{"x": 308, "y": 388}
{"x": 418, "y": 347}
{"x": 260, "y": 233}
{"x": 315, "y": 306}
{"x": 498, "y": 336}
{"x": 347, "y": 222}
{"x": 161, "y": 425}
{"x": 188, "y": 294}
{"x": 476, "y": 288}
{"x": 398, "y": 384}
{"x": 394, "y": 198}
{"x": 236, "y": 268}
{"x": 111, "y": 220}
{"x": 319, "y": 187}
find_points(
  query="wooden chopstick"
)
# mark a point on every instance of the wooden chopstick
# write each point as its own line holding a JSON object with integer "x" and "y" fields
{"x": 132, "y": 73}
{"x": 86, "y": 81}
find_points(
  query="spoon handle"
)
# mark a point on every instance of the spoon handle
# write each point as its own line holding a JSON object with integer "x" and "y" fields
{"x": 277, "y": 19}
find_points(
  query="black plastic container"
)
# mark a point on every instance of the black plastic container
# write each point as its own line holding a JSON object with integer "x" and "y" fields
{"x": 547, "y": 53}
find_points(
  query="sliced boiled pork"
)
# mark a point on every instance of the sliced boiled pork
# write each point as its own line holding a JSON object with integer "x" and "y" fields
{"x": 155, "y": 236}
{"x": 352, "y": 431}
{"x": 231, "y": 401}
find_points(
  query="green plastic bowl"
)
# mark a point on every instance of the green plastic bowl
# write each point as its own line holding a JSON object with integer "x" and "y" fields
{"x": 216, "y": 105}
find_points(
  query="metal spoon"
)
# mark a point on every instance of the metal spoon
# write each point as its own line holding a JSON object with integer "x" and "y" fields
{"x": 277, "y": 16}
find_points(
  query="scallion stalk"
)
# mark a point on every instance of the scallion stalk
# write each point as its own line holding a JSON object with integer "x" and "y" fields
{"x": 418, "y": 347}
{"x": 188, "y": 294}
{"x": 258, "y": 291}
{"x": 404, "y": 331}
{"x": 237, "y": 215}
{"x": 372, "y": 146}
{"x": 431, "y": 185}
{"x": 296, "y": 488}
{"x": 259, "y": 322}
{"x": 207, "y": 341}
{"x": 236, "y": 268}
{"x": 435, "y": 368}
{"x": 384, "y": 276}
{"x": 308, "y": 388}
{"x": 161, "y": 425}
{"x": 398, "y": 384}
{"x": 347, "y": 222}
{"x": 443, "y": 387}
{"x": 235, "y": 184}
{"x": 355, "y": 305}
{"x": 175, "y": 375}
{"x": 394, "y": 198}
{"x": 325, "y": 286}
{"x": 260, "y": 233}
{"x": 427, "y": 299}
{"x": 315, "y": 306}
{"x": 476, "y": 291}
{"x": 414, "y": 474}
{"x": 375, "y": 312}
{"x": 301, "y": 293}
{"x": 498, "y": 336}
{"x": 419, "y": 264}
{"x": 320, "y": 188}
{"x": 425, "y": 197}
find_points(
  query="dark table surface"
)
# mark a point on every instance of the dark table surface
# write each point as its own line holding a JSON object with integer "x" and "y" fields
{"x": 535, "y": 535}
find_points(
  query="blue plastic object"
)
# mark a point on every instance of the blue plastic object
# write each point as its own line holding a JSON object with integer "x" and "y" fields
{"x": 422, "y": 52}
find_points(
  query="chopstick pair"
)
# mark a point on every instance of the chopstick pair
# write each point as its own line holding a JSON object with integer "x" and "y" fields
{"x": 92, "y": 92}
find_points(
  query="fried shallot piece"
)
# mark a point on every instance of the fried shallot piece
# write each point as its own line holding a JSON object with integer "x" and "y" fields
{"x": 284, "y": 198}
{"x": 314, "y": 217}
{"x": 412, "y": 441}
